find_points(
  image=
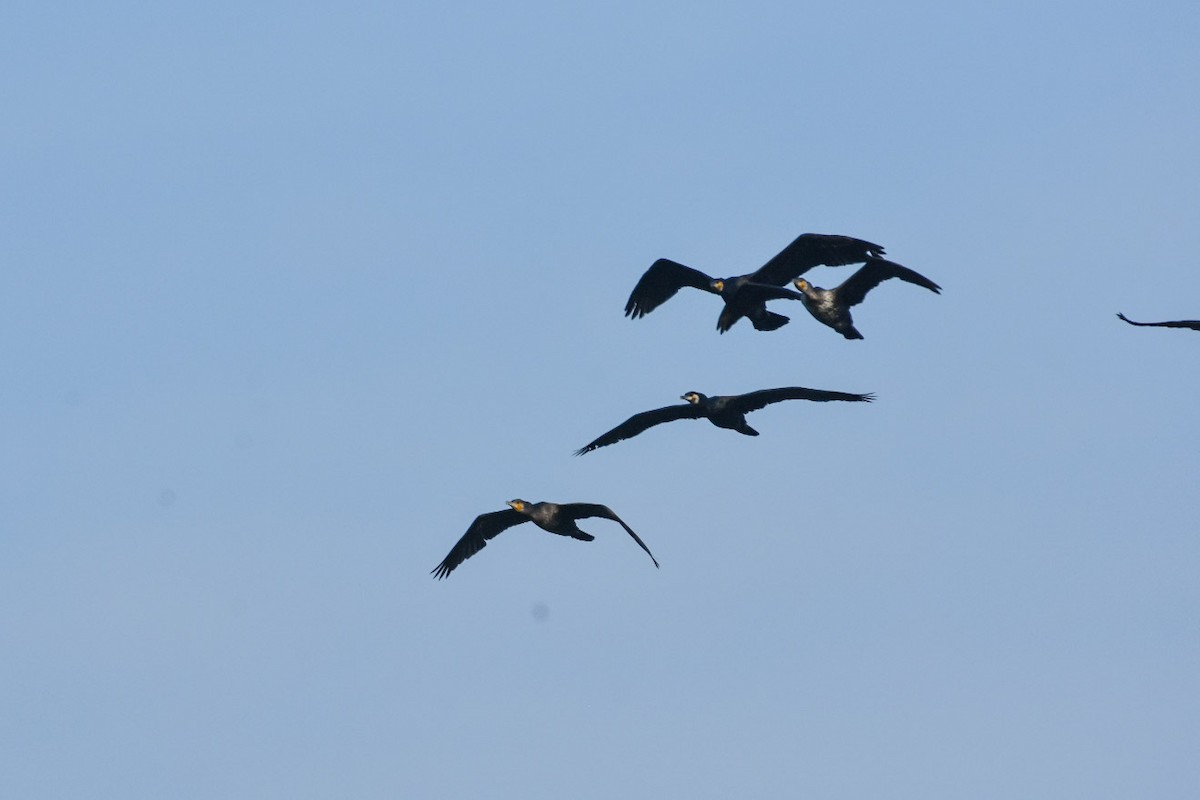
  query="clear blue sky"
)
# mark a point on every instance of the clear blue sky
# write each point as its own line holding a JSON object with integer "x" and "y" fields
{"x": 291, "y": 292}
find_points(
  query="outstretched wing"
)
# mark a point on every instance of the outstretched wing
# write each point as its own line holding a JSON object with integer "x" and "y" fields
{"x": 640, "y": 422}
{"x": 875, "y": 272}
{"x": 660, "y": 283}
{"x": 1194, "y": 324}
{"x": 485, "y": 526}
{"x": 752, "y": 401}
{"x": 582, "y": 510}
{"x": 810, "y": 250}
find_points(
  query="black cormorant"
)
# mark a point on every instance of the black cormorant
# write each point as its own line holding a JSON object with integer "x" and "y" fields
{"x": 746, "y": 295}
{"x": 554, "y": 517}
{"x": 1194, "y": 324}
{"x": 832, "y": 306}
{"x": 724, "y": 411}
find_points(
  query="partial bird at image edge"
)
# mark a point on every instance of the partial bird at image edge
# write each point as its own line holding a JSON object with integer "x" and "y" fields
{"x": 1194, "y": 324}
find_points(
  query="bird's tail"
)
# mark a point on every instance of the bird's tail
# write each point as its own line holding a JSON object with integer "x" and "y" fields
{"x": 746, "y": 429}
{"x": 768, "y": 321}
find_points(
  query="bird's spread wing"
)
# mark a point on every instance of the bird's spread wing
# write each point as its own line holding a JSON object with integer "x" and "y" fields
{"x": 640, "y": 422}
{"x": 1194, "y": 324}
{"x": 582, "y": 510}
{"x": 810, "y": 250}
{"x": 875, "y": 272}
{"x": 752, "y": 401}
{"x": 485, "y": 527}
{"x": 660, "y": 283}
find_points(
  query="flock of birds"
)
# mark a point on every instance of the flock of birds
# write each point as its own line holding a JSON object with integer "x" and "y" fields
{"x": 743, "y": 296}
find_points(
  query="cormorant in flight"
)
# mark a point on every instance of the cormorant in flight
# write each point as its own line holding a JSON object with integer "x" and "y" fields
{"x": 554, "y": 517}
{"x": 724, "y": 411}
{"x": 746, "y": 295}
{"x": 832, "y": 306}
{"x": 1194, "y": 324}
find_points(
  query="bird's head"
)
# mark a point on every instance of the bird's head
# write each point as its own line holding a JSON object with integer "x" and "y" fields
{"x": 518, "y": 505}
{"x": 695, "y": 398}
{"x": 802, "y": 284}
{"x": 717, "y": 286}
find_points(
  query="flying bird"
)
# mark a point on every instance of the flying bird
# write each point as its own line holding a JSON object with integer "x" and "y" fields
{"x": 557, "y": 518}
{"x": 724, "y": 411}
{"x": 832, "y": 306}
{"x": 1194, "y": 324}
{"x": 746, "y": 295}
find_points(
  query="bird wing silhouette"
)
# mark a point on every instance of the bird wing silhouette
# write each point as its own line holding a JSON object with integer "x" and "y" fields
{"x": 640, "y": 422}
{"x": 753, "y": 401}
{"x": 660, "y": 283}
{"x": 1194, "y": 324}
{"x": 875, "y": 272}
{"x": 810, "y": 250}
{"x": 583, "y": 510}
{"x": 485, "y": 526}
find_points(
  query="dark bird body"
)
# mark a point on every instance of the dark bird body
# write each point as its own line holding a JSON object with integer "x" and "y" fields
{"x": 724, "y": 411}
{"x": 1194, "y": 324}
{"x": 559, "y": 518}
{"x": 832, "y": 306}
{"x": 746, "y": 295}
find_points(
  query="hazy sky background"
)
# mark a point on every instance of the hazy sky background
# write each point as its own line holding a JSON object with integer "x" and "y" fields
{"x": 291, "y": 292}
